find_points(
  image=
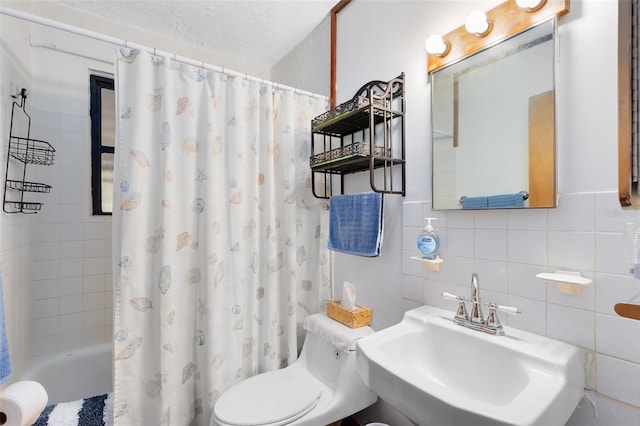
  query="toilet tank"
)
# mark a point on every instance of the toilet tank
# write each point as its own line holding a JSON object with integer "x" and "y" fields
{"x": 325, "y": 361}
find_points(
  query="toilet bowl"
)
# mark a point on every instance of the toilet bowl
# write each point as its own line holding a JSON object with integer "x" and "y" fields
{"x": 321, "y": 387}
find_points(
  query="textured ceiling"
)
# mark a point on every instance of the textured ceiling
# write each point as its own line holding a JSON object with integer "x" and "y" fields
{"x": 260, "y": 31}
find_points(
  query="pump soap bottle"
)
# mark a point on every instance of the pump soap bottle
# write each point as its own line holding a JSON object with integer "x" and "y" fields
{"x": 428, "y": 241}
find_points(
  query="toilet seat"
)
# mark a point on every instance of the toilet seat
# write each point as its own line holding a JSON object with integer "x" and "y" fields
{"x": 291, "y": 393}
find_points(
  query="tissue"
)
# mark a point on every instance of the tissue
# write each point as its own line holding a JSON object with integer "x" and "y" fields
{"x": 22, "y": 402}
{"x": 349, "y": 296}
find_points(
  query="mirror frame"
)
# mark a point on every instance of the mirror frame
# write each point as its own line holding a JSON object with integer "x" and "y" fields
{"x": 625, "y": 114}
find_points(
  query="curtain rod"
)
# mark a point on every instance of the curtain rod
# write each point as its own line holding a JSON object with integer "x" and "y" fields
{"x": 127, "y": 44}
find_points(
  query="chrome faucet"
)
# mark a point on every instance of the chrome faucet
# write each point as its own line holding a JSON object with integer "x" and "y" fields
{"x": 476, "y": 307}
{"x": 475, "y": 320}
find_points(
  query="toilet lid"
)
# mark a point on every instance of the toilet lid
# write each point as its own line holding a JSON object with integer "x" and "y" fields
{"x": 270, "y": 398}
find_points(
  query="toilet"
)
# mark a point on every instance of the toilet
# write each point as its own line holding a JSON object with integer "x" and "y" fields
{"x": 321, "y": 387}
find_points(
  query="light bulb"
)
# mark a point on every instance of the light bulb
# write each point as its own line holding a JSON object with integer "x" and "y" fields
{"x": 436, "y": 45}
{"x": 530, "y": 5}
{"x": 477, "y": 23}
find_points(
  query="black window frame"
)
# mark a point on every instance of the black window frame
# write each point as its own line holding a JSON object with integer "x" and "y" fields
{"x": 97, "y": 83}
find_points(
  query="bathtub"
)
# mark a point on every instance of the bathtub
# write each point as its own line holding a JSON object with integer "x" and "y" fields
{"x": 74, "y": 375}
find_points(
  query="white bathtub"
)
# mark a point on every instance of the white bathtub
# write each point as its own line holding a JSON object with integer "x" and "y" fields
{"x": 76, "y": 374}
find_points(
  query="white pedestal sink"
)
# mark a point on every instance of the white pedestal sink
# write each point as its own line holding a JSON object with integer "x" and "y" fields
{"x": 437, "y": 373}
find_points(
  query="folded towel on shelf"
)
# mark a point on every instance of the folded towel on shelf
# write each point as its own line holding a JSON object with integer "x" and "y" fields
{"x": 505, "y": 201}
{"x": 5, "y": 359}
{"x": 335, "y": 333}
{"x": 356, "y": 224}
{"x": 474, "y": 202}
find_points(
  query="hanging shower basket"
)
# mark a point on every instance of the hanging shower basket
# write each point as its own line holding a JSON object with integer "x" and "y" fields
{"x": 26, "y": 151}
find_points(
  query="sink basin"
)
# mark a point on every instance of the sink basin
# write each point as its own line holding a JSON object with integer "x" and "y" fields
{"x": 438, "y": 373}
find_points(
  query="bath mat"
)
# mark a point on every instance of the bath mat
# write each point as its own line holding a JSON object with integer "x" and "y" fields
{"x": 94, "y": 411}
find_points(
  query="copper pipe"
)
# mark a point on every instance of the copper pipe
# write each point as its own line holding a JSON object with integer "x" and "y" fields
{"x": 333, "y": 85}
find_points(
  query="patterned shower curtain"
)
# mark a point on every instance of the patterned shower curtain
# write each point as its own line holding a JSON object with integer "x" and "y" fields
{"x": 220, "y": 246}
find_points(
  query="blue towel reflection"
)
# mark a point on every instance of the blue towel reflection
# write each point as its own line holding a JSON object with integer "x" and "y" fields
{"x": 474, "y": 203}
{"x": 502, "y": 201}
{"x": 505, "y": 201}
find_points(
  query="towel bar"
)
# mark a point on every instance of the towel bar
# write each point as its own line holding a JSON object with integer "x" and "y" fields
{"x": 629, "y": 308}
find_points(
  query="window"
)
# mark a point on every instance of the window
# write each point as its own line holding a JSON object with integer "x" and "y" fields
{"x": 103, "y": 131}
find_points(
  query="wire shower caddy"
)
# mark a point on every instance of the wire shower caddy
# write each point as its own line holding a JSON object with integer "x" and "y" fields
{"x": 21, "y": 152}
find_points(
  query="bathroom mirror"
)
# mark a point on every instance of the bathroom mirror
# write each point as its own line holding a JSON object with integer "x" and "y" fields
{"x": 493, "y": 121}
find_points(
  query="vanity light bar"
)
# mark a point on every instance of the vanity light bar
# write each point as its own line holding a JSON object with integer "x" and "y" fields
{"x": 477, "y": 23}
{"x": 530, "y": 5}
{"x": 502, "y": 22}
{"x": 436, "y": 45}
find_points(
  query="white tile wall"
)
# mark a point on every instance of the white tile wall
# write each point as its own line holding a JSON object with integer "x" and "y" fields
{"x": 508, "y": 248}
{"x": 610, "y": 289}
{"x": 72, "y": 291}
{"x": 609, "y": 328}
{"x": 491, "y": 244}
{"x": 16, "y": 230}
{"x": 571, "y": 325}
{"x": 619, "y": 379}
{"x": 533, "y": 253}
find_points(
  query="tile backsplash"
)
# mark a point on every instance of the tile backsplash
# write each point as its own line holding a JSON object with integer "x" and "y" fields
{"x": 509, "y": 247}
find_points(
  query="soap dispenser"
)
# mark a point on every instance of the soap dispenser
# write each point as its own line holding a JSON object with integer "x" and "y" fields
{"x": 428, "y": 241}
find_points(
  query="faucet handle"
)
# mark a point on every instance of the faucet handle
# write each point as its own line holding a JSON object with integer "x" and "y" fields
{"x": 512, "y": 310}
{"x": 461, "y": 313}
{"x": 451, "y": 296}
{"x": 492, "y": 319}
{"x": 502, "y": 308}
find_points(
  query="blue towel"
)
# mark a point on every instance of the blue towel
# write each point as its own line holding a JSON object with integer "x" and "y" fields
{"x": 5, "y": 359}
{"x": 474, "y": 202}
{"x": 355, "y": 224}
{"x": 505, "y": 201}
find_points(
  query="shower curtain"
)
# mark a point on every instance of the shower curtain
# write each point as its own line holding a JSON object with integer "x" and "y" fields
{"x": 220, "y": 247}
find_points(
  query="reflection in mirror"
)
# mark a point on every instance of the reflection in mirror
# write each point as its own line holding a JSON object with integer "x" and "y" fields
{"x": 493, "y": 124}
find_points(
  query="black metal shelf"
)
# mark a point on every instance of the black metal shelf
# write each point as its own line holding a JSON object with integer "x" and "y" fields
{"x": 31, "y": 151}
{"x": 339, "y": 144}
{"x": 24, "y": 186}
{"x": 21, "y": 207}
{"x": 26, "y": 151}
